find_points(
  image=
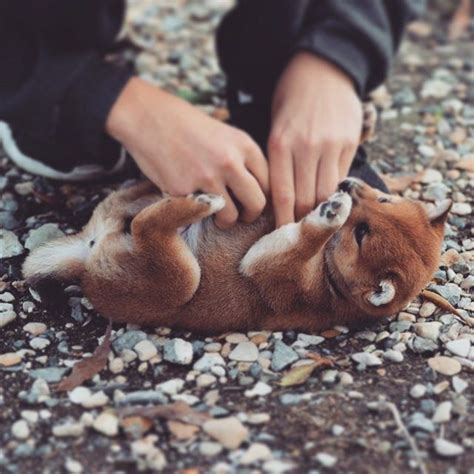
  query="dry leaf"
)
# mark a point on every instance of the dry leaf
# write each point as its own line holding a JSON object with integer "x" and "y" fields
{"x": 300, "y": 374}
{"x": 466, "y": 164}
{"x": 460, "y": 20}
{"x": 178, "y": 411}
{"x": 330, "y": 333}
{"x": 88, "y": 367}
{"x": 398, "y": 184}
{"x": 438, "y": 300}
{"x": 182, "y": 431}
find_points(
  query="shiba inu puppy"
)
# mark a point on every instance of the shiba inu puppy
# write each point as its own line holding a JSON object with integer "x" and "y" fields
{"x": 148, "y": 259}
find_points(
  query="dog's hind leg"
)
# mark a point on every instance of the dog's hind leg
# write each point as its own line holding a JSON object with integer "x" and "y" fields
{"x": 279, "y": 263}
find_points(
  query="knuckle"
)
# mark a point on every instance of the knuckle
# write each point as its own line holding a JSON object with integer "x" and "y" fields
{"x": 284, "y": 198}
{"x": 303, "y": 207}
{"x": 277, "y": 141}
{"x": 228, "y": 163}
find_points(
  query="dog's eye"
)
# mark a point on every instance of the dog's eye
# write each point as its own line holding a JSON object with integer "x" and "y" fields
{"x": 360, "y": 231}
{"x": 384, "y": 199}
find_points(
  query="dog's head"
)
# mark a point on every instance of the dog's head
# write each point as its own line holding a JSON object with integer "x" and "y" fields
{"x": 387, "y": 250}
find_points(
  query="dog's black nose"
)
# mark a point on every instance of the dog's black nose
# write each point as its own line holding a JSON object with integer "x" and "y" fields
{"x": 347, "y": 185}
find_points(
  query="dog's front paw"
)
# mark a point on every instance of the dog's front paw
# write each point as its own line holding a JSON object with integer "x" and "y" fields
{"x": 214, "y": 201}
{"x": 333, "y": 212}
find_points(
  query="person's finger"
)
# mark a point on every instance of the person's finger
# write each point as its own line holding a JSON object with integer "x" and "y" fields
{"x": 258, "y": 166}
{"x": 247, "y": 191}
{"x": 305, "y": 168}
{"x": 228, "y": 216}
{"x": 282, "y": 182}
{"x": 345, "y": 162}
{"x": 328, "y": 173}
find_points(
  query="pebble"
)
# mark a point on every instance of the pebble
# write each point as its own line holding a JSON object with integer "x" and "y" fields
{"x": 427, "y": 309}
{"x": 171, "y": 387}
{"x": 447, "y": 448}
{"x": 39, "y": 343}
{"x": 459, "y": 347}
{"x": 68, "y": 429}
{"x": 256, "y": 452}
{"x": 436, "y": 89}
{"x": 461, "y": 208}
{"x": 442, "y": 413}
{"x": 418, "y": 391}
{"x": 20, "y": 429}
{"x": 72, "y": 466}
{"x": 428, "y": 330}
{"x": 207, "y": 361}
{"x": 10, "y": 246}
{"x": 106, "y": 423}
{"x": 283, "y": 356}
{"x": 35, "y": 329}
{"x": 42, "y": 235}
{"x": 305, "y": 340}
{"x": 326, "y": 460}
{"x": 178, "y": 351}
{"x": 445, "y": 365}
{"x": 258, "y": 418}
{"x": 83, "y": 396}
{"x": 146, "y": 350}
{"x": 459, "y": 385}
{"x": 393, "y": 356}
{"x": 6, "y": 317}
{"x": 236, "y": 338}
{"x": 128, "y": 340}
{"x": 10, "y": 358}
{"x": 366, "y": 359}
{"x": 244, "y": 352}
{"x": 260, "y": 389}
{"x": 229, "y": 431}
{"x": 450, "y": 291}
{"x": 210, "y": 448}
{"x": 205, "y": 380}
{"x": 50, "y": 374}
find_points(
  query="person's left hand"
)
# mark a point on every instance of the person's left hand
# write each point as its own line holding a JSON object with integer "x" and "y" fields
{"x": 316, "y": 127}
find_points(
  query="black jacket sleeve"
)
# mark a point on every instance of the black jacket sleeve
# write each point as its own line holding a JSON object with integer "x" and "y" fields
{"x": 55, "y": 84}
{"x": 257, "y": 39}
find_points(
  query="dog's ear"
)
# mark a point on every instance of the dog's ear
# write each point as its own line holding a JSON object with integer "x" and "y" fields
{"x": 439, "y": 213}
{"x": 383, "y": 294}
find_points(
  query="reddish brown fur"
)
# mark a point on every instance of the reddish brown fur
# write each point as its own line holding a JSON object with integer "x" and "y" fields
{"x": 152, "y": 278}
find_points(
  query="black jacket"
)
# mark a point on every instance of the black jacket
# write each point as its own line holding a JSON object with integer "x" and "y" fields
{"x": 56, "y": 87}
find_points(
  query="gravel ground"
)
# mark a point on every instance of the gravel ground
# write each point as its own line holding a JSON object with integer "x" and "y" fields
{"x": 399, "y": 395}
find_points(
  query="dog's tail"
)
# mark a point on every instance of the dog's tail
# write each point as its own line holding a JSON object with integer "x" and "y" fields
{"x": 60, "y": 260}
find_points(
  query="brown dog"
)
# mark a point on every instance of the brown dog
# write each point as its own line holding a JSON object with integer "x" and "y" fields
{"x": 360, "y": 255}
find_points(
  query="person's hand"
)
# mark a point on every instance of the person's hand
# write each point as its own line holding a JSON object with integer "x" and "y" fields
{"x": 183, "y": 150}
{"x": 316, "y": 127}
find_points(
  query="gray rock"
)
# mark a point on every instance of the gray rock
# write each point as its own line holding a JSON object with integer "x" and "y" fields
{"x": 128, "y": 340}
{"x": 178, "y": 351}
{"x": 10, "y": 246}
{"x": 366, "y": 359}
{"x": 42, "y": 235}
{"x": 420, "y": 345}
{"x": 50, "y": 374}
{"x": 208, "y": 361}
{"x": 393, "y": 356}
{"x": 459, "y": 347}
{"x": 419, "y": 422}
{"x": 436, "y": 192}
{"x": 6, "y": 317}
{"x": 418, "y": 390}
{"x": 450, "y": 291}
{"x": 8, "y": 221}
{"x": 290, "y": 399}
{"x": 447, "y": 449}
{"x": 144, "y": 396}
{"x": 459, "y": 385}
{"x": 283, "y": 356}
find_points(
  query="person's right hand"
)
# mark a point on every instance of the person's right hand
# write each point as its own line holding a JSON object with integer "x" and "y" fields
{"x": 182, "y": 150}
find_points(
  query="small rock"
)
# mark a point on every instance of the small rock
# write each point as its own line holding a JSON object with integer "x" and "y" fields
{"x": 171, "y": 387}
{"x": 428, "y": 330}
{"x": 178, "y": 351}
{"x": 459, "y": 385}
{"x": 450, "y": 291}
{"x": 207, "y": 361}
{"x": 72, "y": 466}
{"x": 50, "y": 374}
{"x": 459, "y": 347}
{"x": 35, "y": 328}
{"x": 283, "y": 356}
{"x": 259, "y": 390}
{"x": 447, "y": 448}
{"x": 258, "y": 418}
{"x": 7, "y": 297}
{"x": 366, "y": 359}
{"x": 10, "y": 358}
{"x": 73, "y": 430}
{"x": 210, "y": 448}
{"x": 6, "y": 317}
{"x": 42, "y": 235}
{"x": 205, "y": 380}
{"x": 146, "y": 350}
{"x": 326, "y": 460}
{"x": 305, "y": 340}
{"x": 393, "y": 356}
{"x": 20, "y": 429}
{"x": 236, "y": 338}
{"x": 445, "y": 365}
{"x": 244, "y": 352}
{"x": 227, "y": 431}
{"x": 128, "y": 340}
{"x": 430, "y": 175}
{"x": 9, "y": 244}
{"x": 83, "y": 396}
{"x": 419, "y": 422}
{"x": 435, "y": 88}
{"x": 39, "y": 343}
{"x": 418, "y": 391}
{"x": 106, "y": 423}
{"x": 256, "y": 452}
{"x": 443, "y": 412}
{"x": 427, "y": 309}
{"x": 461, "y": 209}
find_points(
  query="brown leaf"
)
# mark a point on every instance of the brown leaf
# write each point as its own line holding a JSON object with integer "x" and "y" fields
{"x": 178, "y": 411}
{"x": 182, "y": 431}
{"x": 299, "y": 375}
{"x": 398, "y": 184}
{"x": 460, "y": 20}
{"x": 136, "y": 426}
{"x": 466, "y": 164}
{"x": 88, "y": 367}
{"x": 438, "y": 300}
{"x": 330, "y": 333}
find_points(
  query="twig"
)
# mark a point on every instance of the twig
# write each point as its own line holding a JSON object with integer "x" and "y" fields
{"x": 406, "y": 434}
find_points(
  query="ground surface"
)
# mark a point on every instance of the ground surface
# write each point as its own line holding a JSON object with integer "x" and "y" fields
{"x": 340, "y": 419}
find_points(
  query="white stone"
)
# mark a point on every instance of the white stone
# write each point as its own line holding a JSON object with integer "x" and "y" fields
{"x": 461, "y": 208}
{"x": 442, "y": 413}
{"x": 236, "y": 338}
{"x": 244, "y": 352}
{"x": 6, "y": 317}
{"x": 73, "y": 467}
{"x": 106, "y": 423}
{"x": 227, "y": 431}
{"x": 42, "y": 235}
{"x": 366, "y": 358}
{"x": 459, "y": 385}
{"x": 7, "y": 297}
{"x": 447, "y": 449}
{"x": 393, "y": 356}
{"x": 178, "y": 351}
{"x": 171, "y": 387}
{"x": 35, "y": 328}
{"x": 256, "y": 452}
{"x": 20, "y": 429}
{"x": 427, "y": 309}
{"x": 116, "y": 365}
{"x": 9, "y": 244}
{"x": 207, "y": 361}
{"x": 428, "y": 330}
{"x": 205, "y": 380}
{"x": 39, "y": 343}
{"x": 146, "y": 350}
{"x": 418, "y": 391}
{"x": 327, "y": 460}
{"x": 260, "y": 389}
{"x": 69, "y": 429}
{"x": 210, "y": 448}
{"x": 459, "y": 347}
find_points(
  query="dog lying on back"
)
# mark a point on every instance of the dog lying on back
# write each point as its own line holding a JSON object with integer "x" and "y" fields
{"x": 152, "y": 260}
